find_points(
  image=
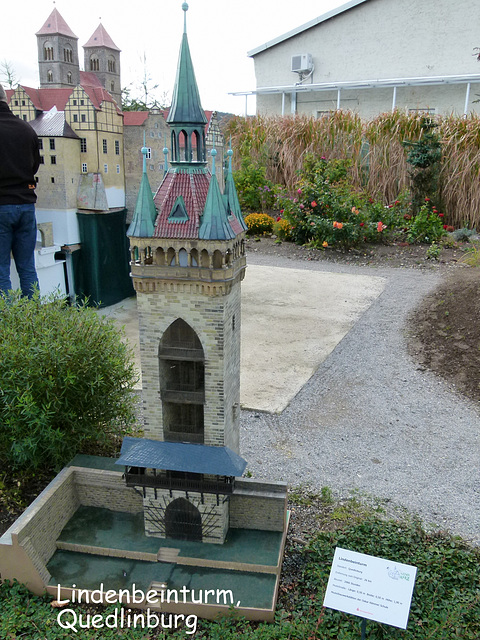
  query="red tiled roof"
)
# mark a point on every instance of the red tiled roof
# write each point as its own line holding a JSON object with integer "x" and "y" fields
{"x": 134, "y": 118}
{"x": 56, "y": 24}
{"x": 45, "y": 99}
{"x": 89, "y": 78}
{"x": 193, "y": 187}
{"x": 100, "y": 38}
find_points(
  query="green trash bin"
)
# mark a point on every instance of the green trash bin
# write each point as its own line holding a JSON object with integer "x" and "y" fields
{"x": 102, "y": 271}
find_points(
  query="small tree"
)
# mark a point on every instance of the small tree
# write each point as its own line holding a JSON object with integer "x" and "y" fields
{"x": 66, "y": 381}
{"x": 8, "y": 75}
{"x": 424, "y": 157}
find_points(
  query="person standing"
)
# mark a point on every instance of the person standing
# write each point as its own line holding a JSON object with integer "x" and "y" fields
{"x": 19, "y": 162}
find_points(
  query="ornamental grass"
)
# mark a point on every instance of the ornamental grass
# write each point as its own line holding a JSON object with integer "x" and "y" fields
{"x": 374, "y": 149}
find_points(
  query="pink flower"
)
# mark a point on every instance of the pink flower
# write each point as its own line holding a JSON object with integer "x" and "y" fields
{"x": 299, "y": 191}
{"x": 313, "y": 204}
{"x": 312, "y": 224}
{"x": 301, "y": 206}
{"x": 381, "y": 226}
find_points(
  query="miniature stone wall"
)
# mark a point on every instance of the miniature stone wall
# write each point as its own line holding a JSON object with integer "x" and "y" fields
{"x": 50, "y": 513}
{"x": 107, "y": 489}
{"x": 258, "y": 505}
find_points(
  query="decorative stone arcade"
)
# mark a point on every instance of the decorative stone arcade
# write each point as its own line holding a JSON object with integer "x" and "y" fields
{"x": 187, "y": 263}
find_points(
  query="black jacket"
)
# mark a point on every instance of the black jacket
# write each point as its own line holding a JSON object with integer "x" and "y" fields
{"x": 19, "y": 159}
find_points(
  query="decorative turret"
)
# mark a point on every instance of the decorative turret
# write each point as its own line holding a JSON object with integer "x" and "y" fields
{"x": 145, "y": 212}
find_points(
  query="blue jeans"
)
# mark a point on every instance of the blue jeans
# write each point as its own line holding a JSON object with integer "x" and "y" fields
{"x": 18, "y": 235}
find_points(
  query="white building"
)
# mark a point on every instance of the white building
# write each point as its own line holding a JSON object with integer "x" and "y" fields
{"x": 372, "y": 56}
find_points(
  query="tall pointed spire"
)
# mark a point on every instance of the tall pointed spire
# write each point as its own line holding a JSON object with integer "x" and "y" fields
{"x": 142, "y": 225}
{"x": 230, "y": 192}
{"x": 186, "y": 117}
{"x": 186, "y": 106}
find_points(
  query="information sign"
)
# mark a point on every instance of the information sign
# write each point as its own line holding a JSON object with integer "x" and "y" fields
{"x": 369, "y": 587}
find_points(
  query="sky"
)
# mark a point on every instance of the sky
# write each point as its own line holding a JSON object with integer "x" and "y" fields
{"x": 220, "y": 32}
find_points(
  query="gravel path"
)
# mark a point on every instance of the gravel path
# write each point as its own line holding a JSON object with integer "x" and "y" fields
{"x": 371, "y": 420}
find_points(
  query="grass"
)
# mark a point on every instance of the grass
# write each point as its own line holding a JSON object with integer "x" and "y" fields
{"x": 374, "y": 147}
{"x": 445, "y": 604}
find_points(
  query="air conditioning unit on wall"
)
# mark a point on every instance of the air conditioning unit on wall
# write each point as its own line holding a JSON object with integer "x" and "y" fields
{"x": 302, "y": 63}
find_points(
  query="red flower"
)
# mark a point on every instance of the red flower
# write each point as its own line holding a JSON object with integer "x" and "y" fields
{"x": 441, "y": 215}
{"x": 362, "y": 224}
{"x": 279, "y": 218}
{"x": 445, "y": 226}
{"x": 314, "y": 204}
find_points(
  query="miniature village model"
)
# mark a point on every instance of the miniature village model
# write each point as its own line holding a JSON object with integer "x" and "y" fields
{"x": 172, "y": 512}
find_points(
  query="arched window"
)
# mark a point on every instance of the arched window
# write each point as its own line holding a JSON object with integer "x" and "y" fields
{"x": 217, "y": 259}
{"x": 111, "y": 64}
{"x": 69, "y": 78}
{"x": 49, "y": 76}
{"x": 182, "y": 383}
{"x": 94, "y": 63}
{"x": 48, "y": 51}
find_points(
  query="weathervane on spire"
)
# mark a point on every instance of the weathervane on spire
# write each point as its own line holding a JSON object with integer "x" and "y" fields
{"x": 185, "y": 9}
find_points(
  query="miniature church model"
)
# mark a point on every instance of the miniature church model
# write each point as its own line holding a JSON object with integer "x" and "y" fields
{"x": 187, "y": 263}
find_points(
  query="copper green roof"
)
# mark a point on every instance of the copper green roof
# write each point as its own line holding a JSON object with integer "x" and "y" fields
{"x": 230, "y": 194}
{"x": 186, "y": 107}
{"x": 142, "y": 225}
{"x": 215, "y": 224}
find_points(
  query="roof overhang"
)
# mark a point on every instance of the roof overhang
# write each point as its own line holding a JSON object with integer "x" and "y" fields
{"x": 180, "y": 456}
{"x": 362, "y": 84}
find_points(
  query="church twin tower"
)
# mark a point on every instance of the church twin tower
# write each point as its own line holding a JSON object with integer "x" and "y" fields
{"x": 58, "y": 57}
{"x": 187, "y": 263}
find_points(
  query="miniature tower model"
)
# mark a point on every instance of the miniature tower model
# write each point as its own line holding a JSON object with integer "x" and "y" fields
{"x": 187, "y": 266}
{"x": 102, "y": 56}
{"x": 57, "y": 54}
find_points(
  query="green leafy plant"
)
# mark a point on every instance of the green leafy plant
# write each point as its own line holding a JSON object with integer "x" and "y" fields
{"x": 66, "y": 381}
{"x": 326, "y": 210}
{"x": 424, "y": 157}
{"x": 434, "y": 251}
{"x": 426, "y": 225}
{"x": 255, "y": 192}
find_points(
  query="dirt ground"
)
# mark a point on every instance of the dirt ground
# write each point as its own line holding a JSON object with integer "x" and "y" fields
{"x": 444, "y": 334}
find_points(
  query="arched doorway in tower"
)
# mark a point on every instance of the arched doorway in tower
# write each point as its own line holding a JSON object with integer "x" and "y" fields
{"x": 183, "y": 521}
{"x": 182, "y": 383}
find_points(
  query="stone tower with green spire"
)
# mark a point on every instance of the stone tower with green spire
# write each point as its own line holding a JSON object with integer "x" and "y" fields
{"x": 187, "y": 269}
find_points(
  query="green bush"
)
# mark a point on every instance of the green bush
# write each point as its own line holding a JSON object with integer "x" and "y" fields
{"x": 426, "y": 225}
{"x": 327, "y": 211}
{"x": 66, "y": 381}
{"x": 255, "y": 192}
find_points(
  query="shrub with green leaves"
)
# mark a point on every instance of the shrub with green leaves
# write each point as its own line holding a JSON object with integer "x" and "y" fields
{"x": 255, "y": 192}
{"x": 66, "y": 381}
{"x": 426, "y": 225}
{"x": 327, "y": 211}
